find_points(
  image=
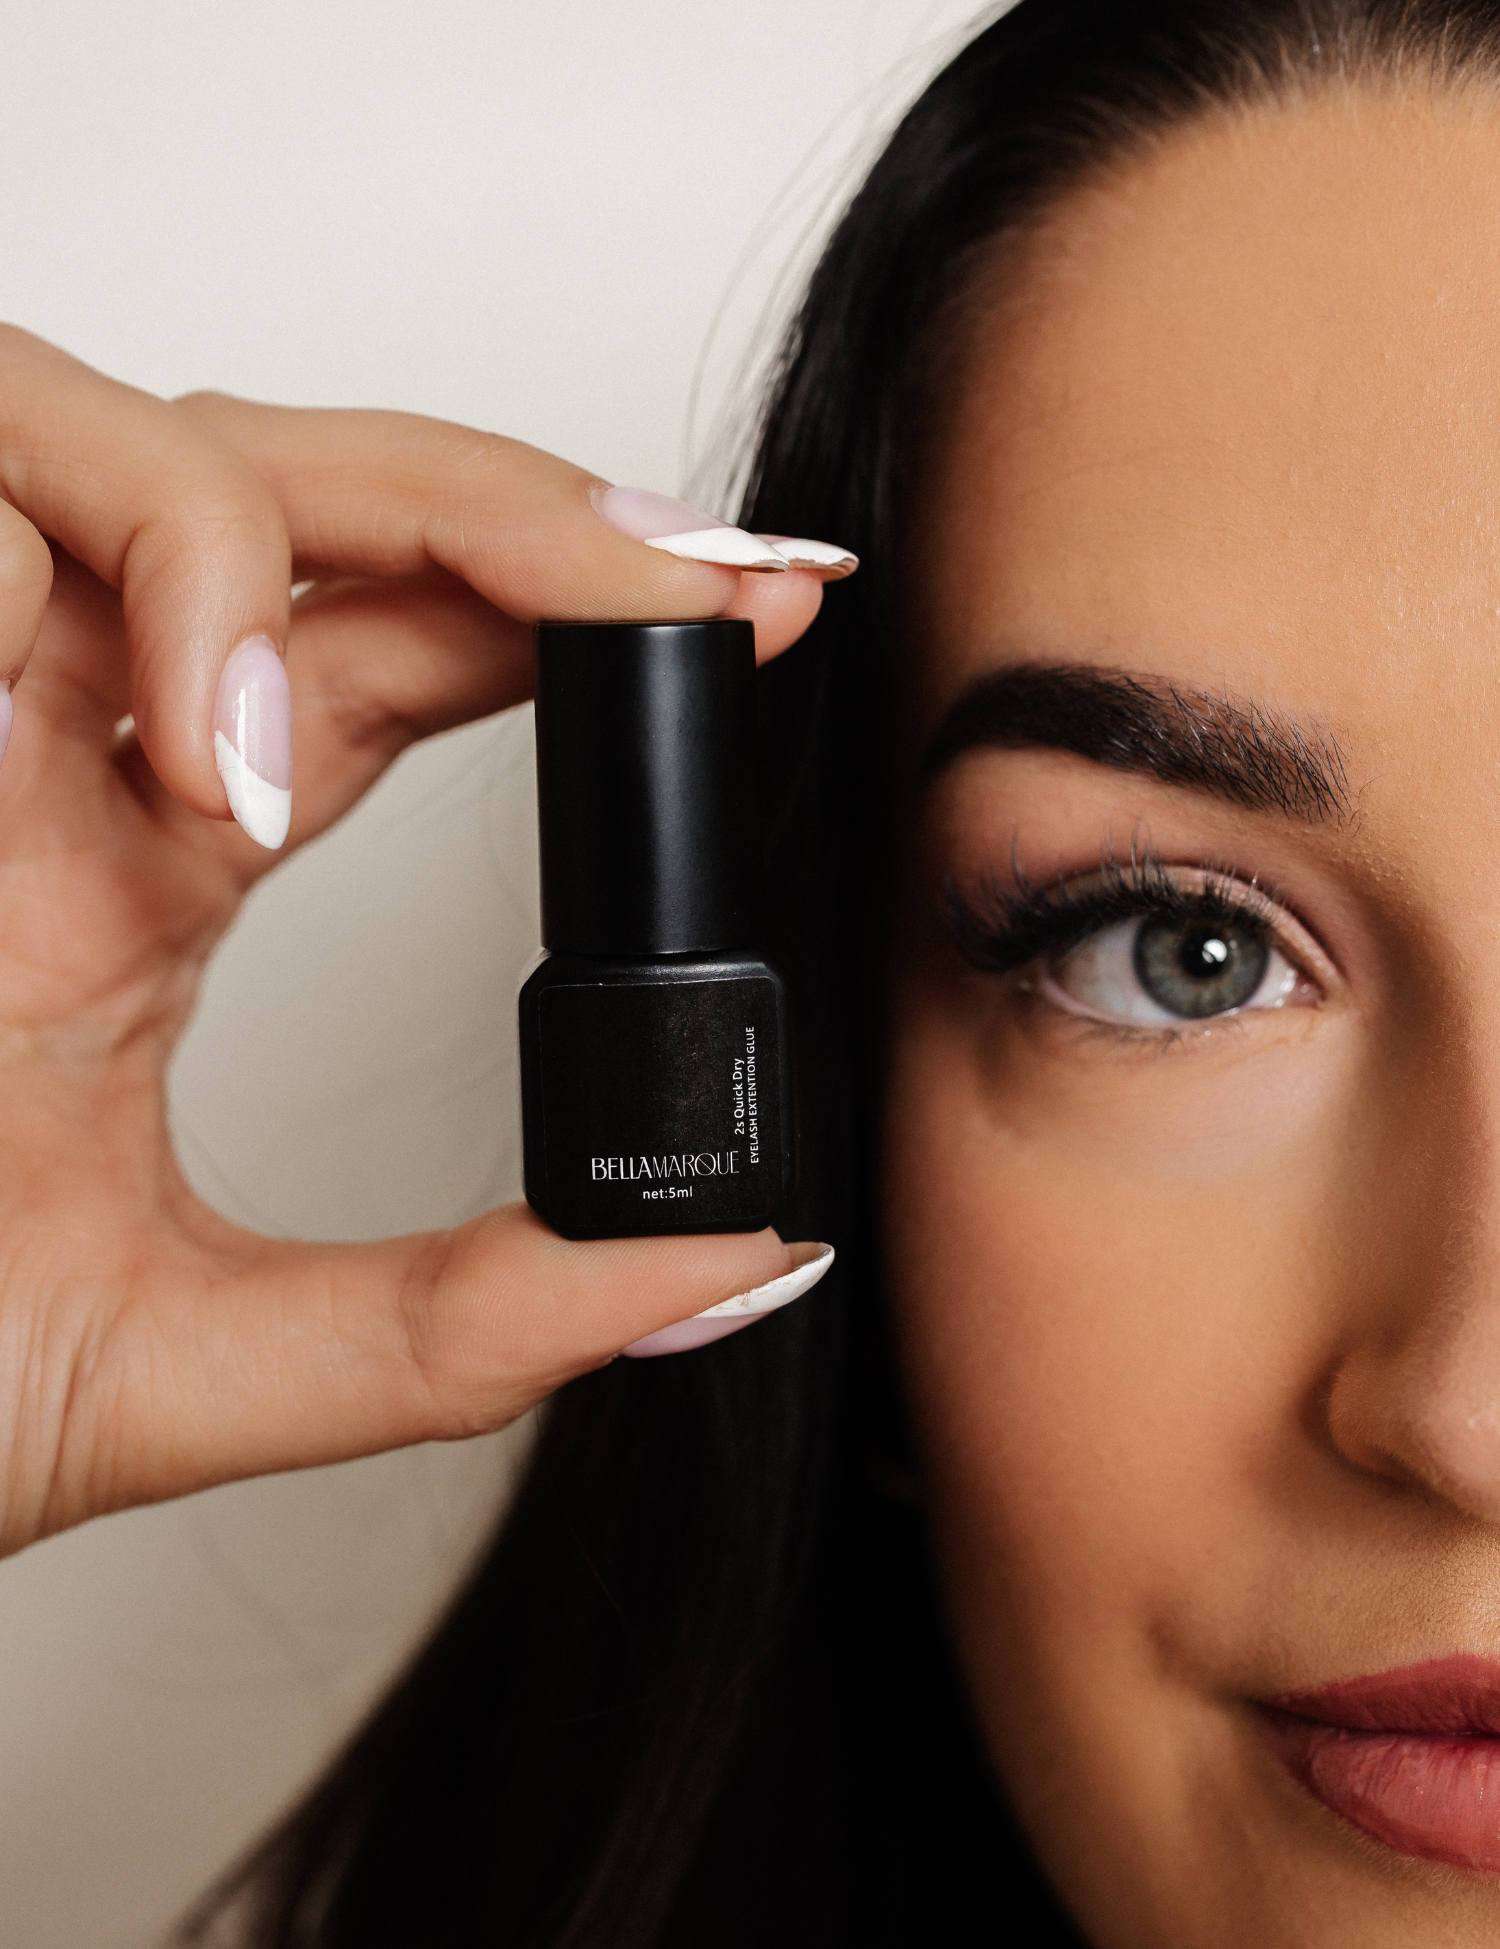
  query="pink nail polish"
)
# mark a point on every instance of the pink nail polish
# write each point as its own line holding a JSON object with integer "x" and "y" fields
{"x": 686, "y": 1335}
{"x": 678, "y": 529}
{"x": 253, "y": 740}
{"x": 645, "y": 516}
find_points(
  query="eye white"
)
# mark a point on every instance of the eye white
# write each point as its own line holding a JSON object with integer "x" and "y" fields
{"x": 1098, "y": 978}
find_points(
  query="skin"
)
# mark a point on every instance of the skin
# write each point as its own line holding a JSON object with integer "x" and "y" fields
{"x": 148, "y": 1347}
{"x": 1202, "y": 1330}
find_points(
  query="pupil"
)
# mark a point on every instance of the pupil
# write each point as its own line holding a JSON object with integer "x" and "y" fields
{"x": 1195, "y": 968}
{"x": 1205, "y": 955}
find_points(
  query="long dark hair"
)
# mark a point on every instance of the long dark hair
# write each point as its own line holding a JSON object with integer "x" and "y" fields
{"x": 699, "y": 1690}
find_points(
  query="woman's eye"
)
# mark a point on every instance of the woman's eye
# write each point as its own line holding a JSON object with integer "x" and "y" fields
{"x": 1163, "y": 968}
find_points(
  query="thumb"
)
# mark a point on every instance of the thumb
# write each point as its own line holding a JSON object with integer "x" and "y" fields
{"x": 305, "y": 1354}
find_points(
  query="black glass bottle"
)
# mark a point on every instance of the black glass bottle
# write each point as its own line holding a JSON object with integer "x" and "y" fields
{"x": 656, "y": 1075}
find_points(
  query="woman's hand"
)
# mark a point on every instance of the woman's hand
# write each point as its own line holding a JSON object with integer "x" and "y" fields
{"x": 147, "y": 1346}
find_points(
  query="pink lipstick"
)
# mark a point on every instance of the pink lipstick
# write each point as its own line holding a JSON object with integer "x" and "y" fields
{"x": 1410, "y": 1756}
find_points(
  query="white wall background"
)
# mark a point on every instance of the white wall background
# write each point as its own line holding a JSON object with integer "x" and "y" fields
{"x": 562, "y": 219}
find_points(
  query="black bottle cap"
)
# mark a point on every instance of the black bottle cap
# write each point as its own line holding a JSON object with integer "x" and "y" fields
{"x": 645, "y": 760}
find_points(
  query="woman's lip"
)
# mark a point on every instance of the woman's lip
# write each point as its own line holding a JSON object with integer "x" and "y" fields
{"x": 1410, "y": 1756}
{"x": 1456, "y": 1695}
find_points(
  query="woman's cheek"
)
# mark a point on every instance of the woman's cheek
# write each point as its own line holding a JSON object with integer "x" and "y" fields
{"x": 1115, "y": 1273}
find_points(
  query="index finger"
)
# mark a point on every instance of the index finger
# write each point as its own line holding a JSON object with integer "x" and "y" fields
{"x": 388, "y": 494}
{"x": 167, "y": 513}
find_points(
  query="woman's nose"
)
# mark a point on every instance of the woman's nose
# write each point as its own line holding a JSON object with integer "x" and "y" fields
{"x": 1423, "y": 1408}
{"x": 1415, "y": 1392}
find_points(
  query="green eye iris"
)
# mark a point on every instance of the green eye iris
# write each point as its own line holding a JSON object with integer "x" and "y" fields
{"x": 1200, "y": 967}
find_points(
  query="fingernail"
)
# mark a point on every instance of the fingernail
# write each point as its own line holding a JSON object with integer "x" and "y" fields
{"x": 743, "y": 1310}
{"x": 677, "y": 529}
{"x": 824, "y": 558}
{"x": 253, "y": 740}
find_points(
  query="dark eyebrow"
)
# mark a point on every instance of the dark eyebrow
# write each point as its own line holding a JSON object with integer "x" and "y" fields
{"x": 1245, "y": 753}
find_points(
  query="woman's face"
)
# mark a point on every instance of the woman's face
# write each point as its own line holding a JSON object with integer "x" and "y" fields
{"x": 1193, "y": 1156}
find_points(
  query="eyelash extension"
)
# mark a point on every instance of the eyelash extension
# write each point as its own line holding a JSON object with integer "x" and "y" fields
{"x": 1009, "y": 929}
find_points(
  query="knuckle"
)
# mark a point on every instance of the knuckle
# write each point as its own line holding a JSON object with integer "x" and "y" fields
{"x": 16, "y": 339}
{"x": 210, "y": 522}
{"x": 423, "y": 1321}
{"x": 205, "y": 403}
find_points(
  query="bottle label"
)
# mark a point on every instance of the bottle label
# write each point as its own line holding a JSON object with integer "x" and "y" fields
{"x": 662, "y": 1096}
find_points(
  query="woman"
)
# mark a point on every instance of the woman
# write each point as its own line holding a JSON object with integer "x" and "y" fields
{"x": 1132, "y": 817}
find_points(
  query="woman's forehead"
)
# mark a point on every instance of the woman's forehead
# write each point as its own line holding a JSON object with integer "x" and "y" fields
{"x": 1233, "y": 417}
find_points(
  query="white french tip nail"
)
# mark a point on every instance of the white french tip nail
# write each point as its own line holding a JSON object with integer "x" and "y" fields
{"x": 778, "y": 1292}
{"x": 264, "y": 810}
{"x": 725, "y": 548}
{"x": 730, "y": 1315}
{"x": 824, "y": 556}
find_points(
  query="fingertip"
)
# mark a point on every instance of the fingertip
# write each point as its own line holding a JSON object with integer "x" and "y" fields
{"x": 782, "y": 608}
{"x": 25, "y": 586}
{"x": 253, "y": 740}
{"x": 810, "y": 1260}
{"x": 25, "y": 563}
{"x": 700, "y": 563}
{"x": 208, "y": 572}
